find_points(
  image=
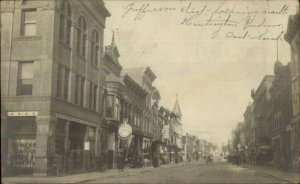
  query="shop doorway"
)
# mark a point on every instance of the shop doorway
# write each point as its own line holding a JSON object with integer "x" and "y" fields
{"x": 77, "y": 134}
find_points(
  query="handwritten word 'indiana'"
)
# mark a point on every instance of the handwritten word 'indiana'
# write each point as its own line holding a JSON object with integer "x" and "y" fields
{"x": 143, "y": 9}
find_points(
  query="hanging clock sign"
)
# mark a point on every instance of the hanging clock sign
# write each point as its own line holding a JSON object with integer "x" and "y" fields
{"x": 125, "y": 130}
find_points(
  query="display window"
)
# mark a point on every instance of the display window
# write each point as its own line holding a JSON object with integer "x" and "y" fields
{"x": 21, "y": 152}
{"x": 21, "y": 142}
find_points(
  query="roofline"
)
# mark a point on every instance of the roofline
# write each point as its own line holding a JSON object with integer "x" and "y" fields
{"x": 126, "y": 76}
{"x": 151, "y": 72}
{"x": 264, "y": 79}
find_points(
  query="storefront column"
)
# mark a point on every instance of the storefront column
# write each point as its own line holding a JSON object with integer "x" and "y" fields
{"x": 295, "y": 146}
{"x": 122, "y": 109}
{"x": 3, "y": 144}
{"x": 66, "y": 145}
{"x": 111, "y": 149}
{"x": 67, "y": 135}
{"x": 98, "y": 141}
{"x": 44, "y": 145}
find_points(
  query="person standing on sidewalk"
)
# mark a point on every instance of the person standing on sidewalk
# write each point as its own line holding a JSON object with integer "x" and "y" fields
{"x": 121, "y": 157}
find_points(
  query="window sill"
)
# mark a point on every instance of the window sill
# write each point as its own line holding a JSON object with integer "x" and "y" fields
{"x": 25, "y": 38}
{"x": 24, "y": 95}
{"x": 64, "y": 45}
{"x": 81, "y": 57}
{"x": 112, "y": 119}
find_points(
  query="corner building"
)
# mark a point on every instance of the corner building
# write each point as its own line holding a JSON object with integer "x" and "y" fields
{"x": 51, "y": 85}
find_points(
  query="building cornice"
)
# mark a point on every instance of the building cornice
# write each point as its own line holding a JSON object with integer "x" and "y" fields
{"x": 293, "y": 28}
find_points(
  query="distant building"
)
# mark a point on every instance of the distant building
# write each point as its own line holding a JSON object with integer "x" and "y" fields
{"x": 280, "y": 114}
{"x": 176, "y": 133}
{"x": 249, "y": 133}
{"x": 188, "y": 144}
{"x": 292, "y": 36}
{"x": 51, "y": 85}
{"x": 164, "y": 114}
{"x": 261, "y": 97}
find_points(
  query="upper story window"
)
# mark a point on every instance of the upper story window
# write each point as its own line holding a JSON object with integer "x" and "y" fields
{"x": 117, "y": 108}
{"x": 66, "y": 83}
{"x": 25, "y": 78}
{"x": 28, "y": 27}
{"x": 112, "y": 107}
{"x": 109, "y": 101}
{"x": 63, "y": 75}
{"x": 79, "y": 90}
{"x": 65, "y": 22}
{"x": 81, "y": 36}
{"x": 95, "y": 48}
{"x": 93, "y": 96}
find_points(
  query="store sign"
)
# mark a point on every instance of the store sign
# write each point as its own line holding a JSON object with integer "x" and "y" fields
{"x": 87, "y": 145}
{"x": 125, "y": 130}
{"x": 23, "y": 113}
{"x": 74, "y": 119}
{"x": 91, "y": 132}
{"x": 166, "y": 132}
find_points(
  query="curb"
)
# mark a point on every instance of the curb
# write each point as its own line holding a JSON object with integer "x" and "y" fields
{"x": 118, "y": 174}
{"x": 269, "y": 174}
{"x": 131, "y": 174}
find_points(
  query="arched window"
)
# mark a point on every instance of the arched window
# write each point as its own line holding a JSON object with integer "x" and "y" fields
{"x": 81, "y": 36}
{"x": 65, "y": 22}
{"x": 95, "y": 48}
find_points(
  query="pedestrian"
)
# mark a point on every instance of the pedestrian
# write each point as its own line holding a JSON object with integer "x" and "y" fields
{"x": 121, "y": 160}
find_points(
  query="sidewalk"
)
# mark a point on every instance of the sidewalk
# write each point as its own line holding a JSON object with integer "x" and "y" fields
{"x": 287, "y": 176}
{"x": 83, "y": 177}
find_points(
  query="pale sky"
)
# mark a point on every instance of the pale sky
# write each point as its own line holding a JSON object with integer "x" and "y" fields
{"x": 213, "y": 76}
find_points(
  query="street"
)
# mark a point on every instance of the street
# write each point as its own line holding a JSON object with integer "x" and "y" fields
{"x": 195, "y": 172}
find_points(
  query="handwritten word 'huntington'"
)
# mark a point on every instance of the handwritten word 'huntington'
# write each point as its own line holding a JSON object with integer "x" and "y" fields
{"x": 143, "y": 9}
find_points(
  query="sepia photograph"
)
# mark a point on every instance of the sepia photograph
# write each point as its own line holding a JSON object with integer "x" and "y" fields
{"x": 150, "y": 91}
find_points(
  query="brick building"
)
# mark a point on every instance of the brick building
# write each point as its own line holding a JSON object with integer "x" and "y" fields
{"x": 142, "y": 150}
{"x": 51, "y": 85}
{"x": 280, "y": 114}
{"x": 261, "y": 97}
{"x": 113, "y": 101}
{"x": 292, "y": 36}
{"x": 176, "y": 133}
{"x": 249, "y": 133}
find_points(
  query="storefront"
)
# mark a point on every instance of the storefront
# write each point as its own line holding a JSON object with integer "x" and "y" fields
{"x": 109, "y": 142}
{"x": 276, "y": 151}
{"x": 173, "y": 154}
{"x": 295, "y": 147}
{"x": 146, "y": 149}
{"x": 74, "y": 145}
{"x": 21, "y": 145}
{"x": 164, "y": 154}
{"x": 135, "y": 156}
{"x": 155, "y": 154}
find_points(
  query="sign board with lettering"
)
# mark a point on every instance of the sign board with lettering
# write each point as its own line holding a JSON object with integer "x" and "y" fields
{"x": 23, "y": 113}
